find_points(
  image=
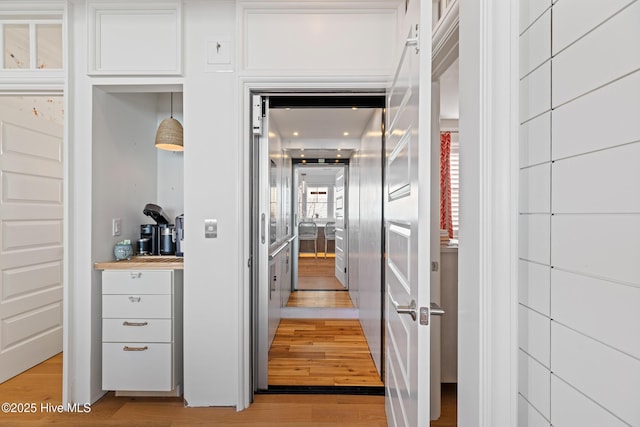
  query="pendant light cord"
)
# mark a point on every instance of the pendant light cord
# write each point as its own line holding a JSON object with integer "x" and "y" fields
{"x": 172, "y": 105}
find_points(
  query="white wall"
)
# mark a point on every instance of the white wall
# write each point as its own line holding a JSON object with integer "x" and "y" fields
{"x": 213, "y": 188}
{"x": 353, "y": 199}
{"x": 370, "y": 238}
{"x": 579, "y": 286}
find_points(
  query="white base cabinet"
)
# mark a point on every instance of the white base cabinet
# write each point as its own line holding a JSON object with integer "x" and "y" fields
{"x": 142, "y": 331}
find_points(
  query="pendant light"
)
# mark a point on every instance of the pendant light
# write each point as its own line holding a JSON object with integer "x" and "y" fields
{"x": 169, "y": 135}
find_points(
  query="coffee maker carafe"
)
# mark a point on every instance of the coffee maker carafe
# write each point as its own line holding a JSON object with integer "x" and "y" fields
{"x": 166, "y": 244}
{"x": 148, "y": 242}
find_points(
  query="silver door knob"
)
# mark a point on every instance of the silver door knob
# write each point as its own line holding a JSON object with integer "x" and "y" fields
{"x": 406, "y": 309}
{"x": 436, "y": 310}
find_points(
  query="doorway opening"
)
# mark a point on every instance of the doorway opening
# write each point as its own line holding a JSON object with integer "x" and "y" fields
{"x": 309, "y": 329}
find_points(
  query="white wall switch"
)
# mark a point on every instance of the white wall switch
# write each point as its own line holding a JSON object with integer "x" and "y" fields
{"x": 116, "y": 227}
{"x": 210, "y": 228}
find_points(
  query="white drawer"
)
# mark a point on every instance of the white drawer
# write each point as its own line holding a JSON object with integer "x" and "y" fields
{"x": 137, "y": 366}
{"x": 132, "y": 330}
{"x": 137, "y": 281}
{"x": 136, "y": 306}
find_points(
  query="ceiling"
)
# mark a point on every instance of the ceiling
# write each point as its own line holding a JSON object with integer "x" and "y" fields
{"x": 320, "y": 132}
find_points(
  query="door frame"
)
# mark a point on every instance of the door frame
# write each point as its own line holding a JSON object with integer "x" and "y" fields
{"x": 247, "y": 378}
{"x": 488, "y": 259}
{"x": 294, "y": 206}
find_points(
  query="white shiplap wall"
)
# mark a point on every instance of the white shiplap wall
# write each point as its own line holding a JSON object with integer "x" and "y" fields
{"x": 579, "y": 231}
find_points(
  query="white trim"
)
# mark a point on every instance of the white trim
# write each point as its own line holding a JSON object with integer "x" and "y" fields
{"x": 488, "y": 257}
{"x": 445, "y": 40}
{"x": 99, "y": 8}
{"x": 248, "y": 7}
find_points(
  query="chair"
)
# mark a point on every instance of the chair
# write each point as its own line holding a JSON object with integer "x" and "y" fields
{"x": 309, "y": 231}
{"x": 329, "y": 234}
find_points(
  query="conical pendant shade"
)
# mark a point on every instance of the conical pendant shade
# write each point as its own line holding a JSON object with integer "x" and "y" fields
{"x": 169, "y": 135}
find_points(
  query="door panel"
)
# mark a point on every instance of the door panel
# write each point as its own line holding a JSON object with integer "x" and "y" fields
{"x": 342, "y": 241}
{"x": 30, "y": 241}
{"x": 407, "y": 235}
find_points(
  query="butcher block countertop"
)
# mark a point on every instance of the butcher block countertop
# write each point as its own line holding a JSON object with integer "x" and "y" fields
{"x": 151, "y": 262}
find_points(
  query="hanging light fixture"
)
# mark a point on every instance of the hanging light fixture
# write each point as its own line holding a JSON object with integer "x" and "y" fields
{"x": 169, "y": 135}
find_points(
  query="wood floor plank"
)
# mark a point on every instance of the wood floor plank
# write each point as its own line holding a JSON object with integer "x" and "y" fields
{"x": 310, "y": 299}
{"x": 330, "y": 352}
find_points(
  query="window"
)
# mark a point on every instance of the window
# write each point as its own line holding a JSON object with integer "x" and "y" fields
{"x": 449, "y": 186}
{"x": 314, "y": 202}
{"x": 31, "y": 44}
{"x": 454, "y": 175}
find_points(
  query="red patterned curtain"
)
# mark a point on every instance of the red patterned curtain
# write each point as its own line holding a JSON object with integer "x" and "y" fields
{"x": 445, "y": 183}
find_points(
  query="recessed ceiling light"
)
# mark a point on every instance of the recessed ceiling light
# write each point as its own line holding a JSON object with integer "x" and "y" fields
{"x": 302, "y": 149}
{"x": 296, "y": 133}
{"x": 354, "y": 108}
{"x": 346, "y": 134}
{"x": 288, "y": 109}
{"x": 339, "y": 155}
{"x": 301, "y": 155}
{"x": 339, "y": 149}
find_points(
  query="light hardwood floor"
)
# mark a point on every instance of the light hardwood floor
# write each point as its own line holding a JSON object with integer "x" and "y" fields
{"x": 317, "y": 274}
{"x": 449, "y": 408}
{"x": 328, "y": 352}
{"x": 42, "y": 385}
{"x": 311, "y": 299}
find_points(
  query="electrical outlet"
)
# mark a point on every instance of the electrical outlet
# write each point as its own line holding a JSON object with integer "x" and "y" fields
{"x": 116, "y": 227}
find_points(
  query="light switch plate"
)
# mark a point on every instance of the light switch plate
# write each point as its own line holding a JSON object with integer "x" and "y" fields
{"x": 210, "y": 228}
{"x": 116, "y": 227}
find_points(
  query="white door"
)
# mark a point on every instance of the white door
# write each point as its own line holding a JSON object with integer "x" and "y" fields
{"x": 342, "y": 241}
{"x": 31, "y": 215}
{"x": 407, "y": 223}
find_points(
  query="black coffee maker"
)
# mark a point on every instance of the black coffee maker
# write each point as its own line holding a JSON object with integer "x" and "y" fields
{"x": 159, "y": 235}
{"x": 148, "y": 241}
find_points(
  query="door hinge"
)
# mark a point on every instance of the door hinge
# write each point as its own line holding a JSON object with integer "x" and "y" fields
{"x": 345, "y": 270}
{"x": 249, "y": 262}
{"x": 434, "y": 266}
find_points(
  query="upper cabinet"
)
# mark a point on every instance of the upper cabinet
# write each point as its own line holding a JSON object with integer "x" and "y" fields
{"x": 135, "y": 38}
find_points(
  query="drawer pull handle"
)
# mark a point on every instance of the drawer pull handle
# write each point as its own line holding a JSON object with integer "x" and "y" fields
{"x": 125, "y": 323}
{"x": 127, "y": 348}
{"x": 134, "y": 299}
{"x": 136, "y": 275}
